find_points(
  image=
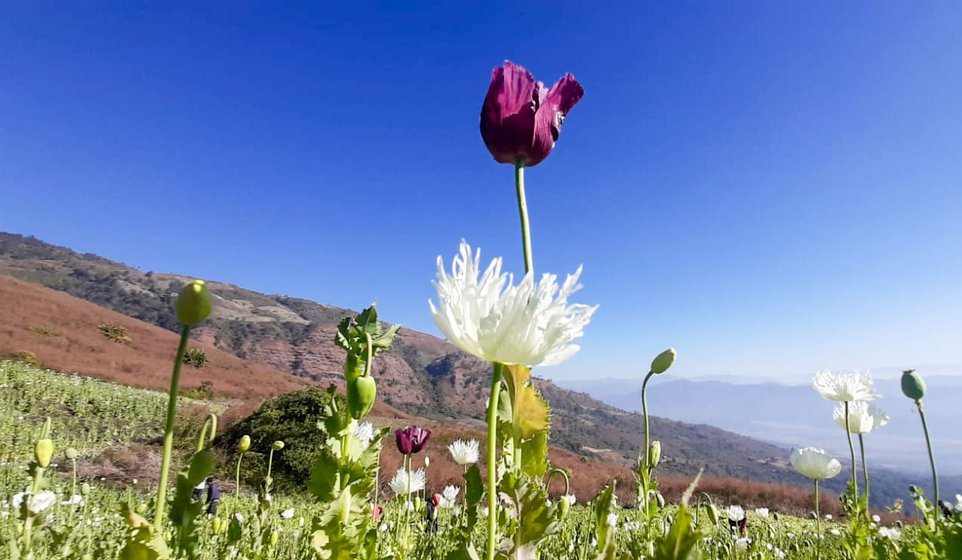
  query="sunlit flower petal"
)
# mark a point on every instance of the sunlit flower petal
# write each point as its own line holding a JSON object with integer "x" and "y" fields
{"x": 845, "y": 386}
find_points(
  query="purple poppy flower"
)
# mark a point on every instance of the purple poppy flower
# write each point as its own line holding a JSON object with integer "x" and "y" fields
{"x": 520, "y": 118}
{"x": 411, "y": 439}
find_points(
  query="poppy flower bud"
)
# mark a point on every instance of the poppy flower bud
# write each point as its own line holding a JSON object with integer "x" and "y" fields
{"x": 427, "y": 461}
{"x": 85, "y": 488}
{"x": 713, "y": 510}
{"x": 278, "y": 445}
{"x": 71, "y": 453}
{"x": 244, "y": 444}
{"x": 912, "y": 385}
{"x": 654, "y": 454}
{"x": 275, "y": 536}
{"x": 564, "y": 506}
{"x": 43, "y": 452}
{"x": 520, "y": 118}
{"x": 361, "y": 394}
{"x": 417, "y": 503}
{"x": 663, "y": 361}
{"x": 660, "y": 499}
{"x": 141, "y": 508}
{"x": 193, "y": 304}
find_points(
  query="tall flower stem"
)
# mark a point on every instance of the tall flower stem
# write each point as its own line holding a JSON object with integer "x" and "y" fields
{"x": 237, "y": 477}
{"x": 644, "y": 412}
{"x": 861, "y": 447}
{"x": 818, "y": 525}
{"x": 161, "y": 504}
{"x": 492, "y": 456}
{"x": 851, "y": 450}
{"x": 523, "y": 210}
{"x": 928, "y": 444}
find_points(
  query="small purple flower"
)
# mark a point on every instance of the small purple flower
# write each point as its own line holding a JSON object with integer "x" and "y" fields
{"x": 411, "y": 439}
{"x": 520, "y": 118}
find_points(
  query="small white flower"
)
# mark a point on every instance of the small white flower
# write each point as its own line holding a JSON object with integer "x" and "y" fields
{"x": 364, "y": 431}
{"x": 761, "y": 512}
{"x": 845, "y": 386}
{"x": 735, "y": 513}
{"x": 465, "y": 452}
{"x": 76, "y": 499}
{"x": 779, "y": 553}
{"x": 403, "y": 484}
{"x": 612, "y": 520}
{"x": 449, "y": 496}
{"x": 890, "y": 533}
{"x": 40, "y": 502}
{"x": 863, "y": 417}
{"x": 287, "y": 514}
{"x": 491, "y": 318}
{"x": 835, "y": 532}
{"x": 239, "y": 517}
{"x": 815, "y": 463}
{"x": 876, "y": 519}
{"x": 828, "y": 517}
{"x": 742, "y": 544}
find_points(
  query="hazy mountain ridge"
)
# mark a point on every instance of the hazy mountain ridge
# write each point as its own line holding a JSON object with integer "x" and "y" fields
{"x": 421, "y": 374}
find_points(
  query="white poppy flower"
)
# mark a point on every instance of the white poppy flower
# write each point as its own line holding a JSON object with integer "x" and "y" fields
{"x": 890, "y": 533}
{"x": 863, "y": 417}
{"x": 491, "y": 318}
{"x": 465, "y": 452}
{"x": 403, "y": 484}
{"x": 449, "y": 496}
{"x": 815, "y": 463}
{"x": 735, "y": 513}
{"x": 761, "y": 512}
{"x": 845, "y": 386}
{"x": 741, "y": 544}
{"x": 364, "y": 431}
{"x": 287, "y": 514}
{"x": 40, "y": 502}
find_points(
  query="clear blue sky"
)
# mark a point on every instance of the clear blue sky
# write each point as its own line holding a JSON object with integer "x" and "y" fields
{"x": 771, "y": 189}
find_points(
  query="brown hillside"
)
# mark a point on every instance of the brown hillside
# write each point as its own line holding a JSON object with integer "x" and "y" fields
{"x": 62, "y": 332}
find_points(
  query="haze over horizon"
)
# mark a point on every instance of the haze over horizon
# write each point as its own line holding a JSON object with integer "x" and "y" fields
{"x": 771, "y": 190}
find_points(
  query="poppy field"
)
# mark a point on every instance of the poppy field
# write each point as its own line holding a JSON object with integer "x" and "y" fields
{"x": 512, "y": 503}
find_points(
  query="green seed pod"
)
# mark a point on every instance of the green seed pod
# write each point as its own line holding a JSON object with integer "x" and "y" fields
{"x": 361, "y": 393}
{"x": 43, "y": 452}
{"x": 85, "y": 488}
{"x": 278, "y": 445}
{"x": 244, "y": 444}
{"x": 654, "y": 454}
{"x": 71, "y": 453}
{"x": 663, "y": 361}
{"x": 912, "y": 385}
{"x": 193, "y": 305}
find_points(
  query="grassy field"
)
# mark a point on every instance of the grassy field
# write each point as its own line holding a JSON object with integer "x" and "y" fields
{"x": 93, "y": 416}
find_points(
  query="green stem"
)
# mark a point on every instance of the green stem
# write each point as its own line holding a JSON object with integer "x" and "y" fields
{"x": 928, "y": 444}
{"x": 270, "y": 464}
{"x": 161, "y": 505}
{"x": 644, "y": 412}
{"x": 818, "y": 525}
{"x": 492, "y": 456}
{"x": 28, "y": 523}
{"x": 523, "y": 210}
{"x": 851, "y": 450}
{"x": 861, "y": 446}
{"x": 237, "y": 477}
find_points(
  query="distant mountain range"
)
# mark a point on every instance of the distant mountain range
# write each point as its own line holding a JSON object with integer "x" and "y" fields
{"x": 796, "y": 416}
{"x": 429, "y": 377}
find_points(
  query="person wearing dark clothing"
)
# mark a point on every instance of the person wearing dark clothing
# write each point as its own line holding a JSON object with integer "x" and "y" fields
{"x": 213, "y": 496}
{"x": 432, "y": 514}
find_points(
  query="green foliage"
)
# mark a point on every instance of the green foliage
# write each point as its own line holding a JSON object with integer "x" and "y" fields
{"x": 204, "y": 392}
{"x": 116, "y": 333}
{"x": 293, "y": 418}
{"x": 42, "y": 331}
{"x": 196, "y": 357}
{"x": 28, "y": 358}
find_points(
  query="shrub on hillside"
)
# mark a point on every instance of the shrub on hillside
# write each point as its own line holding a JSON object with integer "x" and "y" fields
{"x": 196, "y": 357}
{"x": 291, "y": 418}
{"x": 204, "y": 392}
{"x": 28, "y": 358}
{"x": 117, "y": 333}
